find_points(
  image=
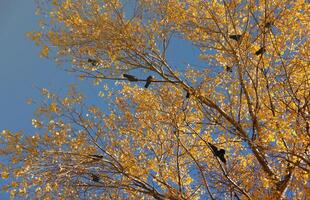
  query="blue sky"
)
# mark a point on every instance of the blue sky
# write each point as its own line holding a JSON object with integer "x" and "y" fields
{"x": 23, "y": 71}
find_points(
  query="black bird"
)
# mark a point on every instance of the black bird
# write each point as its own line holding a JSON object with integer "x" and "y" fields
{"x": 149, "y": 81}
{"x": 235, "y": 37}
{"x": 260, "y": 51}
{"x": 219, "y": 153}
{"x": 96, "y": 157}
{"x": 188, "y": 95}
{"x": 92, "y": 62}
{"x": 130, "y": 78}
{"x": 268, "y": 25}
{"x": 95, "y": 178}
{"x": 228, "y": 69}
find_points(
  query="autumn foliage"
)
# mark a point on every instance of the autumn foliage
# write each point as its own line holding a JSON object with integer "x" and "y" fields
{"x": 234, "y": 127}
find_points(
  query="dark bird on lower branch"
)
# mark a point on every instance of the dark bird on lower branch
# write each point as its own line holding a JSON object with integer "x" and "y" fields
{"x": 92, "y": 62}
{"x": 218, "y": 153}
{"x": 95, "y": 178}
{"x": 188, "y": 95}
{"x": 260, "y": 51}
{"x": 149, "y": 81}
{"x": 130, "y": 78}
{"x": 235, "y": 37}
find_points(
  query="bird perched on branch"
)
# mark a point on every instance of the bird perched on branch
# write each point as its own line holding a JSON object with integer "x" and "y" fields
{"x": 218, "y": 153}
{"x": 268, "y": 25}
{"x": 235, "y": 37}
{"x": 96, "y": 157}
{"x": 260, "y": 51}
{"x": 188, "y": 95}
{"x": 92, "y": 62}
{"x": 95, "y": 178}
{"x": 149, "y": 81}
{"x": 228, "y": 69}
{"x": 130, "y": 78}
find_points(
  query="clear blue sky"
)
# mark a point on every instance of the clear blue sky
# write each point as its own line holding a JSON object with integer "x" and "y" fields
{"x": 23, "y": 71}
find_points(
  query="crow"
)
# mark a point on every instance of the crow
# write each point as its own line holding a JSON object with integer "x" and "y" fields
{"x": 96, "y": 157}
{"x": 268, "y": 25}
{"x": 260, "y": 51}
{"x": 130, "y": 78}
{"x": 235, "y": 37}
{"x": 188, "y": 95}
{"x": 92, "y": 62}
{"x": 148, "y": 81}
{"x": 95, "y": 178}
{"x": 218, "y": 153}
{"x": 228, "y": 69}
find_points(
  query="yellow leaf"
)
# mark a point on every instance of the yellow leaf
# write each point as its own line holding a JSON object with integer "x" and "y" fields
{"x": 53, "y": 107}
{"x": 29, "y": 101}
{"x": 5, "y": 174}
{"x": 14, "y": 184}
{"x": 44, "y": 51}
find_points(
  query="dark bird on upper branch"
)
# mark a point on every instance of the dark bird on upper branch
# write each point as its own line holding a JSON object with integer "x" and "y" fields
{"x": 235, "y": 37}
{"x": 260, "y": 51}
{"x": 218, "y": 153}
{"x": 228, "y": 69}
{"x": 92, "y": 62}
{"x": 149, "y": 81}
{"x": 96, "y": 157}
{"x": 130, "y": 78}
{"x": 95, "y": 178}
{"x": 268, "y": 25}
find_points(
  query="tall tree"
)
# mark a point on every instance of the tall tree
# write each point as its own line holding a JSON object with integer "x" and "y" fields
{"x": 199, "y": 132}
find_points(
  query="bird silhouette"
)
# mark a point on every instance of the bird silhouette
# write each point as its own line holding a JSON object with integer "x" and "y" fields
{"x": 187, "y": 95}
{"x": 235, "y": 37}
{"x": 96, "y": 157}
{"x": 228, "y": 69}
{"x": 95, "y": 178}
{"x": 149, "y": 81}
{"x": 260, "y": 51}
{"x": 268, "y": 25}
{"x": 92, "y": 62}
{"x": 219, "y": 153}
{"x": 130, "y": 78}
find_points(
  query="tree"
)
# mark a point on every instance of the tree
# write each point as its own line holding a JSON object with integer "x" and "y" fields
{"x": 162, "y": 142}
